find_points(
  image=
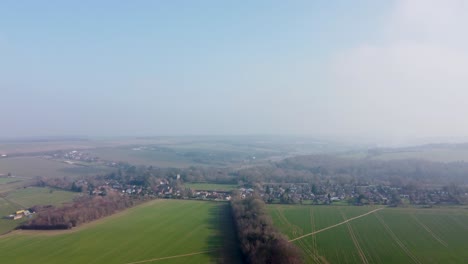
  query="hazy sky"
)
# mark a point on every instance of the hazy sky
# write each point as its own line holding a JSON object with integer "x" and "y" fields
{"x": 366, "y": 69}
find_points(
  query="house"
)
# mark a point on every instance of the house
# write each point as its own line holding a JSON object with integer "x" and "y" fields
{"x": 17, "y": 217}
{"x": 20, "y": 212}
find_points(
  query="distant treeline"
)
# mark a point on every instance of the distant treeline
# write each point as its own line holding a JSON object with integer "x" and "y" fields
{"x": 316, "y": 168}
{"x": 259, "y": 241}
{"x": 83, "y": 209}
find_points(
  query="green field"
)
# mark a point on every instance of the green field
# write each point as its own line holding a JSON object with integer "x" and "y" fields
{"x": 31, "y": 196}
{"x": 391, "y": 235}
{"x": 211, "y": 186}
{"x": 157, "y": 229}
{"x": 5, "y": 180}
{"x": 30, "y": 167}
{"x": 27, "y": 197}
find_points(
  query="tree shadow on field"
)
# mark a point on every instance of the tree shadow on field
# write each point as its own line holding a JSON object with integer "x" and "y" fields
{"x": 223, "y": 236}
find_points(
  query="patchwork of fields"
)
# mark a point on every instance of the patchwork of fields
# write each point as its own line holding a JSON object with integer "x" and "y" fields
{"x": 185, "y": 231}
{"x": 389, "y": 235}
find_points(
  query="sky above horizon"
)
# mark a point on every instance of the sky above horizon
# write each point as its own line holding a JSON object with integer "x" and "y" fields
{"x": 366, "y": 70}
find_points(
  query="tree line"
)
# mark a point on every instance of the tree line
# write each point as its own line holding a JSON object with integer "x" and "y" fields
{"x": 316, "y": 168}
{"x": 259, "y": 241}
{"x": 82, "y": 210}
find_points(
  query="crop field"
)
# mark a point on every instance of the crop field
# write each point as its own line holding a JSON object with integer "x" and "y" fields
{"x": 386, "y": 235}
{"x": 211, "y": 186}
{"x": 156, "y": 230}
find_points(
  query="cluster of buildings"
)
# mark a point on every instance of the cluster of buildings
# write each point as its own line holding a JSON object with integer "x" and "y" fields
{"x": 211, "y": 195}
{"x": 357, "y": 194}
{"x": 74, "y": 155}
{"x": 20, "y": 214}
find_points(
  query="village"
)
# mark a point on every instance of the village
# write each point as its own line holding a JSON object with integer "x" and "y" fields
{"x": 354, "y": 195}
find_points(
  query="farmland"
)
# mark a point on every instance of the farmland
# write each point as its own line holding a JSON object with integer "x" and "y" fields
{"x": 142, "y": 157}
{"x": 389, "y": 235}
{"x": 27, "y": 197}
{"x": 186, "y": 152}
{"x": 433, "y": 154}
{"x": 30, "y": 167}
{"x": 5, "y": 180}
{"x": 437, "y": 153}
{"x": 156, "y": 229}
{"x": 31, "y": 196}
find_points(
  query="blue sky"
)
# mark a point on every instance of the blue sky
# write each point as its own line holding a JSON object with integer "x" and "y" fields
{"x": 210, "y": 67}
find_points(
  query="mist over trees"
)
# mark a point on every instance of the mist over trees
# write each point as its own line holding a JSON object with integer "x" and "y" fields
{"x": 313, "y": 168}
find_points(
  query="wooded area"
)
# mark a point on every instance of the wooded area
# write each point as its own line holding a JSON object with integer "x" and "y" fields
{"x": 259, "y": 241}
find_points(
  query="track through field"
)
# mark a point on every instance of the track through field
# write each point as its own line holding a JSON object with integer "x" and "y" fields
{"x": 171, "y": 257}
{"x": 333, "y": 226}
{"x": 397, "y": 240}
{"x": 355, "y": 241}
{"x": 436, "y": 237}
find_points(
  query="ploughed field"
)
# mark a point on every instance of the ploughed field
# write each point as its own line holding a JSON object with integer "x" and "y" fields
{"x": 166, "y": 231}
{"x": 387, "y": 235}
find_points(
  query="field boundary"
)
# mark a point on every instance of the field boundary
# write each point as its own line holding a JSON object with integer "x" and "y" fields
{"x": 335, "y": 225}
{"x": 171, "y": 257}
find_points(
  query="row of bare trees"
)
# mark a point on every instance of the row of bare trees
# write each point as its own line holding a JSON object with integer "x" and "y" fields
{"x": 83, "y": 209}
{"x": 259, "y": 241}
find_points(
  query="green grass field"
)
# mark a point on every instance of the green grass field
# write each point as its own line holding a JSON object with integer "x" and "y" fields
{"x": 27, "y": 197}
{"x": 211, "y": 186}
{"x": 31, "y": 196}
{"x": 157, "y": 229}
{"x": 5, "y": 180}
{"x": 391, "y": 235}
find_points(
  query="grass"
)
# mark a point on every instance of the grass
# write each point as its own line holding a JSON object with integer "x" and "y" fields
{"x": 27, "y": 197}
{"x": 5, "y": 180}
{"x": 211, "y": 186}
{"x": 155, "y": 229}
{"x": 391, "y": 235}
{"x": 6, "y": 208}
